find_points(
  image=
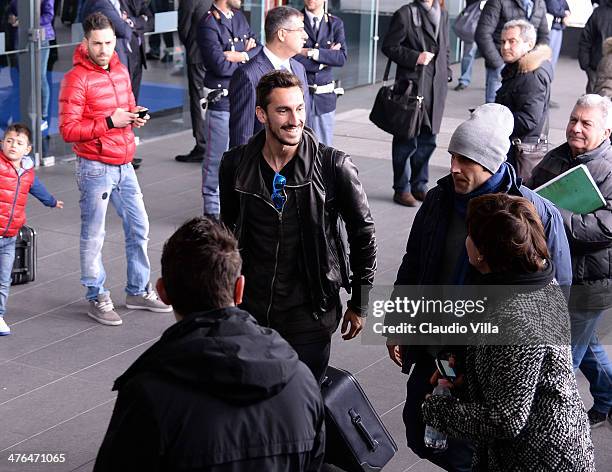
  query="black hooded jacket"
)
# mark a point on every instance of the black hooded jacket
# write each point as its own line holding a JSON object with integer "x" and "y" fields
{"x": 216, "y": 393}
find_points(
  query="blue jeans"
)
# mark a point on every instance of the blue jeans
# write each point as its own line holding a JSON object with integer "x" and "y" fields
{"x": 556, "y": 38}
{"x": 100, "y": 183}
{"x": 590, "y": 356}
{"x": 45, "y": 94}
{"x": 410, "y": 162}
{"x": 216, "y": 132}
{"x": 7, "y": 257}
{"x": 467, "y": 62}
{"x": 493, "y": 83}
{"x": 323, "y": 126}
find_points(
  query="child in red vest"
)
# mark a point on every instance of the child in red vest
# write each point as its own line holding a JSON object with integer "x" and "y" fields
{"x": 17, "y": 179}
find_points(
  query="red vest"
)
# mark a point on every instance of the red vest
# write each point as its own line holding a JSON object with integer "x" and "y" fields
{"x": 14, "y": 189}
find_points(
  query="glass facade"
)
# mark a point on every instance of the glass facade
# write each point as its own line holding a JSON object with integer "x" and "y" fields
{"x": 32, "y": 65}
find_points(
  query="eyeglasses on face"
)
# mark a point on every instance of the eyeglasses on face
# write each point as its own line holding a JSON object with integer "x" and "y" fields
{"x": 278, "y": 191}
{"x": 300, "y": 29}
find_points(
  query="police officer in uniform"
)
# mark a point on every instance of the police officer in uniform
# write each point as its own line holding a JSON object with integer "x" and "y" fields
{"x": 325, "y": 48}
{"x": 226, "y": 41}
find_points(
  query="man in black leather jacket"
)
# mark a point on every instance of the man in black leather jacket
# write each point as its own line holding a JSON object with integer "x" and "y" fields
{"x": 283, "y": 193}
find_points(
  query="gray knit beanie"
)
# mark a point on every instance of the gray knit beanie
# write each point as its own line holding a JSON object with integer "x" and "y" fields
{"x": 485, "y": 137}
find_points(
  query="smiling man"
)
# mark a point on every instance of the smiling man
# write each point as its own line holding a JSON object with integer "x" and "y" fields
{"x": 436, "y": 253}
{"x": 590, "y": 237}
{"x": 282, "y": 194}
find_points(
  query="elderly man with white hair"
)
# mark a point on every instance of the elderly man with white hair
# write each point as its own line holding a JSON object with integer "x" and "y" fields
{"x": 590, "y": 238}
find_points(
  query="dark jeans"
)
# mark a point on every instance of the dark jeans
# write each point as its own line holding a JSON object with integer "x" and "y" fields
{"x": 591, "y": 357}
{"x": 411, "y": 162}
{"x": 458, "y": 456}
{"x": 315, "y": 356}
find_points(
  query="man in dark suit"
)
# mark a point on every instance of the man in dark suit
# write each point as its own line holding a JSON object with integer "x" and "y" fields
{"x": 113, "y": 10}
{"x": 190, "y": 12}
{"x": 141, "y": 18}
{"x": 325, "y": 48}
{"x": 285, "y": 37}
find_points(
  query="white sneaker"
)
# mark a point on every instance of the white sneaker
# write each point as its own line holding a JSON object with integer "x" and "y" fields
{"x": 4, "y": 328}
{"x": 147, "y": 301}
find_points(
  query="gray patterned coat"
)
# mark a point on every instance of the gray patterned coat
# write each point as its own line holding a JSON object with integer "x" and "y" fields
{"x": 523, "y": 409}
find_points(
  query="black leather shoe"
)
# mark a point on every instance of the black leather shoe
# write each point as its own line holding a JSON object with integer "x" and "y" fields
{"x": 151, "y": 56}
{"x": 460, "y": 86}
{"x": 189, "y": 157}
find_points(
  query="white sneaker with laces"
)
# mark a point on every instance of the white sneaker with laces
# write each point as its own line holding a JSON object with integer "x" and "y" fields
{"x": 4, "y": 328}
{"x": 147, "y": 301}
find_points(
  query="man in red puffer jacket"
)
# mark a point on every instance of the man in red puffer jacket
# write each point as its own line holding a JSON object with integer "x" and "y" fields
{"x": 97, "y": 111}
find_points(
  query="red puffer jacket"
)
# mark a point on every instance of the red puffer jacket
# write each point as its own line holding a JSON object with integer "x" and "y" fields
{"x": 88, "y": 95}
{"x": 14, "y": 189}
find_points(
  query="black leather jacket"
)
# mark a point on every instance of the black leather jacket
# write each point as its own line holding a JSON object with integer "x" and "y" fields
{"x": 322, "y": 194}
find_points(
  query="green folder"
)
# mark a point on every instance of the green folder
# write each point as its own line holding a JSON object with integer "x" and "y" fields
{"x": 574, "y": 190}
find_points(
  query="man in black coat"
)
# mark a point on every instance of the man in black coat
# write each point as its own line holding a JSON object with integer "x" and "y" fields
{"x": 190, "y": 12}
{"x": 140, "y": 18}
{"x": 525, "y": 88}
{"x": 590, "y": 237}
{"x": 590, "y": 47}
{"x": 217, "y": 392}
{"x": 417, "y": 41}
{"x": 495, "y": 14}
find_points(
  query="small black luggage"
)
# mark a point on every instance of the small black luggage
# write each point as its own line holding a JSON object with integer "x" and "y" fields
{"x": 356, "y": 438}
{"x": 24, "y": 267}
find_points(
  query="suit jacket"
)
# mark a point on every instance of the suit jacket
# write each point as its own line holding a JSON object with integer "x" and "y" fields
{"x": 123, "y": 31}
{"x": 243, "y": 122}
{"x": 190, "y": 12}
{"x": 320, "y": 72}
{"x": 144, "y": 22}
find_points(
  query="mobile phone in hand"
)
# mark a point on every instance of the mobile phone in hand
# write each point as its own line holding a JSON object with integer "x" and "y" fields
{"x": 142, "y": 113}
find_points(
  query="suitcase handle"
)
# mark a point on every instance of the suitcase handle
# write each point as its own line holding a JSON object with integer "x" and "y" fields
{"x": 356, "y": 420}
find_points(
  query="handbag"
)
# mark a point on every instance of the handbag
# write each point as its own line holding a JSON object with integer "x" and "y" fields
{"x": 528, "y": 154}
{"x": 401, "y": 114}
{"x": 467, "y": 21}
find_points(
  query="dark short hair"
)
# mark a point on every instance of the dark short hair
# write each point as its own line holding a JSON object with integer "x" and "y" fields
{"x": 96, "y": 21}
{"x": 20, "y": 128}
{"x": 200, "y": 265}
{"x": 273, "y": 80}
{"x": 508, "y": 232}
{"x": 278, "y": 18}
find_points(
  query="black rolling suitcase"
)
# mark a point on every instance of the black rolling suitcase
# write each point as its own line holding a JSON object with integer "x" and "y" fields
{"x": 356, "y": 438}
{"x": 24, "y": 267}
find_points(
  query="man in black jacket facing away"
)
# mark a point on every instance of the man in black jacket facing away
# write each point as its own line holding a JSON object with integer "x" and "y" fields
{"x": 590, "y": 47}
{"x": 282, "y": 193}
{"x": 217, "y": 392}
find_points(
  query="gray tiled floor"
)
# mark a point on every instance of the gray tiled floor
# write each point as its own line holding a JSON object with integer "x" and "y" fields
{"x": 58, "y": 366}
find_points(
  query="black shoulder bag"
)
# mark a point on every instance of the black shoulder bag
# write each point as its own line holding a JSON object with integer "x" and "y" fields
{"x": 401, "y": 114}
